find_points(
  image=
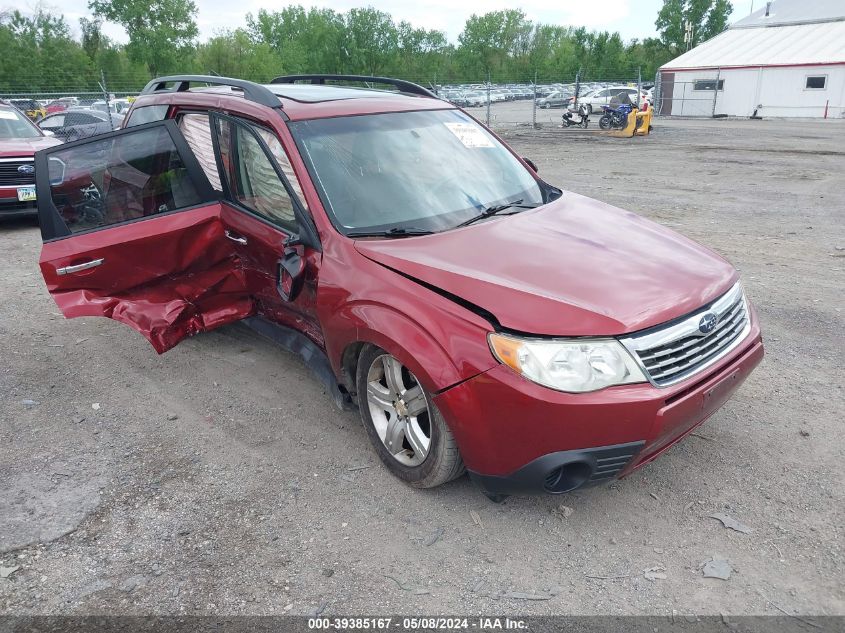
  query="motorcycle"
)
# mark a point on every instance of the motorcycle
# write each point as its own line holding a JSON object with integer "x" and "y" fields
{"x": 583, "y": 118}
{"x": 615, "y": 118}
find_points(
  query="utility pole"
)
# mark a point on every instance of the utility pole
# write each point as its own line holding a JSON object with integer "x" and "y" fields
{"x": 534, "y": 104}
{"x": 488, "y": 98}
{"x": 639, "y": 88}
{"x": 716, "y": 91}
{"x": 104, "y": 88}
{"x": 577, "y": 89}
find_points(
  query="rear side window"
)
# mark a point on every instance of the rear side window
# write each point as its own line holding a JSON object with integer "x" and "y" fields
{"x": 53, "y": 122}
{"x": 121, "y": 178}
{"x": 147, "y": 114}
{"x": 196, "y": 128}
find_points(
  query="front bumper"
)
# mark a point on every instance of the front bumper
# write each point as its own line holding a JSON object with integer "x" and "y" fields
{"x": 11, "y": 207}
{"x": 516, "y": 436}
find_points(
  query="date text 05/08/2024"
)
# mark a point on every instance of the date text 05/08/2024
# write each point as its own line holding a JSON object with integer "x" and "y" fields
{"x": 417, "y": 623}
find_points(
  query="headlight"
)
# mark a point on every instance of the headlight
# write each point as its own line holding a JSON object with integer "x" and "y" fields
{"x": 574, "y": 365}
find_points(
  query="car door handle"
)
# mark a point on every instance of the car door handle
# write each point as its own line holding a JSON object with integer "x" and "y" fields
{"x": 235, "y": 237}
{"x": 68, "y": 270}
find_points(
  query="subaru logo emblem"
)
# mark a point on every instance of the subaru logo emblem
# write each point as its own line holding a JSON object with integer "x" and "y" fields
{"x": 707, "y": 323}
{"x": 26, "y": 169}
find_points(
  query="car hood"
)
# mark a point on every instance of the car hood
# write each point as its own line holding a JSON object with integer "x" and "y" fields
{"x": 25, "y": 146}
{"x": 574, "y": 267}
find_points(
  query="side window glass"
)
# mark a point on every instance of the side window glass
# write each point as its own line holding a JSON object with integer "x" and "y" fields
{"x": 196, "y": 128}
{"x": 147, "y": 114}
{"x": 121, "y": 178}
{"x": 53, "y": 122}
{"x": 281, "y": 158}
{"x": 253, "y": 181}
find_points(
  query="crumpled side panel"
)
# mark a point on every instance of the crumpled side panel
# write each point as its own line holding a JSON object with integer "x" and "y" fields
{"x": 167, "y": 277}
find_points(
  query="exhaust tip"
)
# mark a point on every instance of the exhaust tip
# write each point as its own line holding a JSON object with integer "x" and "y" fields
{"x": 567, "y": 477}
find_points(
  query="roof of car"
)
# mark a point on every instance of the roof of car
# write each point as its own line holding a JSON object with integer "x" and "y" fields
{"x": 311, "y": 93}
{"x": 303, "y": 101}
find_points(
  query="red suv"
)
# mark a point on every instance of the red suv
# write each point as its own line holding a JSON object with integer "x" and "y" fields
{"x": 19, "y": 140}
{"x": 479, "y": 317}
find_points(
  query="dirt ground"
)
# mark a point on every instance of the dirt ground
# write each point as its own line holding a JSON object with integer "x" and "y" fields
{"x": 219, "y": 478}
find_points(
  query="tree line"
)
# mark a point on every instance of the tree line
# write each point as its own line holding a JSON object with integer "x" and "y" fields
{"x": 41, "y": 52}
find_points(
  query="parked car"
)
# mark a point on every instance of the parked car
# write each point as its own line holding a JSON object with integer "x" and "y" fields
{"x": 60, "y": 105}
{"x": 117, "y": 106}
{"x": 475, "y": 99}
{"x": 555, "y": 100}
{"x": 366, "y": 231}
{"x": 494, "y": 95}
{"x": 19, "y": 140}
{"x": 77, "y": 123}
{"x": 603, "y": 96}
{"x": 30, "y": 107}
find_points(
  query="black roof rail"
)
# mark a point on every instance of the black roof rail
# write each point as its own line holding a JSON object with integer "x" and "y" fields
{"x": 252, "y": 91}
{"x": 400, "y": 84}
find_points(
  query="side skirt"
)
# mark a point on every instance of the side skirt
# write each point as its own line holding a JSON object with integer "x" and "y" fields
{"x": 314, "y": 357}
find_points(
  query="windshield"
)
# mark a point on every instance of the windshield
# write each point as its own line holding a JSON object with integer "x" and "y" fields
{"x": 13, "y": 124}
{"x": 410, "y": 170}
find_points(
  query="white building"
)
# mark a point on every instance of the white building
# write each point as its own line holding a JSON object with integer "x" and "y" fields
{"x": 787, "y": 59}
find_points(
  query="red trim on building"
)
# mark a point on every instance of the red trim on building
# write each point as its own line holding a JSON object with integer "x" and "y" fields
{"x": 750, "y": 66}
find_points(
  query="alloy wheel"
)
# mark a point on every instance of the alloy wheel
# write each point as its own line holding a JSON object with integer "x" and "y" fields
{"x": 399, "y": 410}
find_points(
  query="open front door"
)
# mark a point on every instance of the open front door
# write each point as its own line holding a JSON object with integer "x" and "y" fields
{"x": 132, "y": 231}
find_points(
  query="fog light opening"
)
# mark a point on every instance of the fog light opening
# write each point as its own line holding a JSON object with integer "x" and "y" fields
{"x": 567, "y": 477}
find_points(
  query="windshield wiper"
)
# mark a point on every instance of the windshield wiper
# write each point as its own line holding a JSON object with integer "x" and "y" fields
{"x": 394, "y": 232}
{"x": 497, "y": 208}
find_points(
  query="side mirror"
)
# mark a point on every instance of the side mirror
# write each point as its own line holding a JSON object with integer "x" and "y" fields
{"x": 531, "y": 164}
{"x": 48, "y": 132}
{"x": 291, "y": 273}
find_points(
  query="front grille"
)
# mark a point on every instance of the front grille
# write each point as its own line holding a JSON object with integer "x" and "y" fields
{"x": 675, "y": 352}
{"x": 11, "y": 177}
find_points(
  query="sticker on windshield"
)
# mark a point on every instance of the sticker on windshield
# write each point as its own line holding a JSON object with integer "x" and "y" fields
{"x": 6, "y": 114}
{"x": 470, "y": 135}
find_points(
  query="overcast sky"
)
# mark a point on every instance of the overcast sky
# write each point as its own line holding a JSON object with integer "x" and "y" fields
{"x": 632, "y": 18}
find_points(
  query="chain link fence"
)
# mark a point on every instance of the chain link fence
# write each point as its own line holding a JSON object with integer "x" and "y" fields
{"x": 519, "y": 101}
{"x": 505, "y": 104}
{"x": 72, "y": 114}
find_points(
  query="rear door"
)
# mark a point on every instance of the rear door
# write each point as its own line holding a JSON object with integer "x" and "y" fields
{"x": 132, "y": 231}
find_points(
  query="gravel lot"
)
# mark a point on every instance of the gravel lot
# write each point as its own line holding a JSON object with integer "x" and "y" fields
{"x": 219, "y": 478}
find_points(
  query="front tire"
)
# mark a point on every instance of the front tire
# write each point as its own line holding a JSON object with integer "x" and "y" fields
{"x": 604, "y": 122}
{"x": 404, "y": 425}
